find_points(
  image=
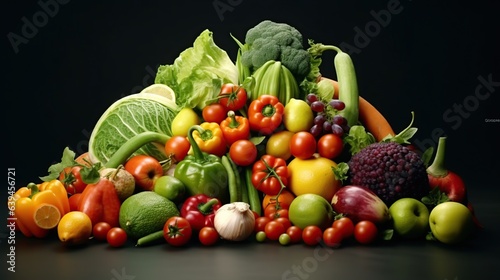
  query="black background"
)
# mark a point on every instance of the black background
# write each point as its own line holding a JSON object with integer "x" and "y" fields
{"x": 426, "y": 58}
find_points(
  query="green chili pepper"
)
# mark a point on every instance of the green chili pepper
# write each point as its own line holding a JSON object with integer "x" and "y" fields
{"x": 203, "y": 173}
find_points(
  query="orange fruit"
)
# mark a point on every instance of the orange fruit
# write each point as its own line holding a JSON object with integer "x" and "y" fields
{"x": 47, "y": 216}
{"x": 74, "y": 228}
{"x": 285, "y": 199}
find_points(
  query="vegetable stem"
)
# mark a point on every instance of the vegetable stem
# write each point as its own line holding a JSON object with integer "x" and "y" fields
{"x": 437, "y": 168}
{"x": 132, "y": 145}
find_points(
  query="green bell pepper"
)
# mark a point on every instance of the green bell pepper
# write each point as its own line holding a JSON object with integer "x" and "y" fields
{"x": 202, "y": 173}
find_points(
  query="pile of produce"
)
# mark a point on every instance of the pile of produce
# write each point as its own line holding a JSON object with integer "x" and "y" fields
{"x": 260, "y": 148}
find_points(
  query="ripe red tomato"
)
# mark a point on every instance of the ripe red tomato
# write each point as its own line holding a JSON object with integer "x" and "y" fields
{"x": 260, "y": 223}
{"x": 312, "y": 235}
{"x": 100, "y": 231}
{"x": 274, "y": 229}
{"x": 332, "y": 237}
{"x": 274, "y": 213}
{"x": 330, "y": 145}
{"x": 243, "y": 152}
{"x": 295, "y": 234}
{"x": 214, "y": 112}
{"x": 208, "y": 236}
{"x": 72, "y": 180}
{"x": 177, "y": 146}
{"x": 145, "y": 169}
{"x": 116, "y": 237}
{"x": 285, "y": 221}
{"x": 74, "y": 201}
{"x": 233, "y": 97}
{"x": 365, "y": 232}
{"x": 345, "y": 225}
{"x": 177, "y": 231}
{"x": 303, "y": 145}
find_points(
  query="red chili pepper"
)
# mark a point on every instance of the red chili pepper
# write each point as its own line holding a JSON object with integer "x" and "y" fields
{"x": 448, "y": 182}
{"x": 235, "y": 128}
{"x": 270, "y": 174}
{"x": 199, "y": 210}
{"x": 101, "y": 203}
{"x": 265, "y": 114}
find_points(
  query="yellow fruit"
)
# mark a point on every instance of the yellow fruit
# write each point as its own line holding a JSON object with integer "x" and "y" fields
{"x": 160, "y": 89}
{"x": 47, "y": 216}
{"x": 298, "y": 115}
{"x": 278, "y": 144}
{"x": 74, "y": 228}
{"x": 186, "y": 118}
{"x": 314, "y": 175}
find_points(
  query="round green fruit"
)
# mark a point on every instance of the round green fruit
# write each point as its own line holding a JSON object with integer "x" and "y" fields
{"x": 451, "y": 222}
{"x": 410, "y": 217}
{"x": 310, "y": 209}
{"x": 170, "y": 187}
{"x": 297, "y": 115}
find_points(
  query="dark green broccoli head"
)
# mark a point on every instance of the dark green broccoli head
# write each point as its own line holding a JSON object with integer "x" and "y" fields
{"x": 269, "y": 40}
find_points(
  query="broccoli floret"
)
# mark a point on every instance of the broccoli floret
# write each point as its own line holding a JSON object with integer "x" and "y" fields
{"x": 269, "y": 40}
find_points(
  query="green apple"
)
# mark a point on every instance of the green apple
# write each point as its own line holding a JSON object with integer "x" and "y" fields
{"x": 310, "y": 209}
{"x": 410, "y": 217}
{"x": 169, "y": 187}
{"x": 451, "y": 222}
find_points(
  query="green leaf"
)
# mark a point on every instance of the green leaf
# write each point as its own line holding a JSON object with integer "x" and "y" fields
{"x": 67, "y": 160}
{"x": 358, "y": 138}
{"x": 340, "y": 171}
{"x": 257, "y": 140}
{"x": 404, "y": 136}
{"x": 427, "y": 156}
{"x": 387, "y": 234}
{"x": 91, "y": 175}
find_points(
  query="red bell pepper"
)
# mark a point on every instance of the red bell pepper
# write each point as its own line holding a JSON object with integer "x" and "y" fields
{"x": 265, "y": 114}
{"x": 235, "y": 128}
{"x": 200, "y": 210}
{"x": 101, "y": 203}
{"x": 270, "y": 175}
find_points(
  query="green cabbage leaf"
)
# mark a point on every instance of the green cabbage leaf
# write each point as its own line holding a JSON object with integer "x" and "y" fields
{"x": 198, "y": 73}
{"x": 126, "y": 118}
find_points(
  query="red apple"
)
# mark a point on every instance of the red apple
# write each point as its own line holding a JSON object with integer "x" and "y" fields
{"x": 145, "y": 169}
{"x": 359, "y": 203}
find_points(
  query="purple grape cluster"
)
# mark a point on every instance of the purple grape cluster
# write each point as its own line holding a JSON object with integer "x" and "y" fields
{"x": 326, "y": 116}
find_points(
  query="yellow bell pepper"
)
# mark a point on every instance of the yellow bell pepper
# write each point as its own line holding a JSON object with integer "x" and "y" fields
{"x": 210, "y": 138}
{"x": 28, "y": 199}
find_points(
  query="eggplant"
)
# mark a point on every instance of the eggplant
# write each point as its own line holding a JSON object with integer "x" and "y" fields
{"x": 359, "y": 204}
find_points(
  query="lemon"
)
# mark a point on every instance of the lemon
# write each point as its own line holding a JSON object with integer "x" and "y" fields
{"x": 298, "y": 116}
{"x": 186, "y": 118}
{"x": 314, "y": 175}
{"x": 47, "y": 216}
{"x": 74, "y": 228}
{"x": 145, "y": 212}
{"x": 160, "y": 89}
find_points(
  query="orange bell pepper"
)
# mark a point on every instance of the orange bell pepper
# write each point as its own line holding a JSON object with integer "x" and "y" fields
{"x": 29, "y": 198}
{"x": 210, "y": 139}
{"x": 235, "y": 128}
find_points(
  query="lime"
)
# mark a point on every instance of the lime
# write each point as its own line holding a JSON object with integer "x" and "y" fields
{"x": 170, "y": 187}
{"x": 160, "y": 89}
{"x": 145, "y": 212}
{"x": 310, "y": 209}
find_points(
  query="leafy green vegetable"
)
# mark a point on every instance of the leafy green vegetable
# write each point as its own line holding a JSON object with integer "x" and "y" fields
{"x": 198, "y": 73}
{"x": 128, "y": 117}
{"x": 358, "y": 138}
{"x": 405, "y": 135}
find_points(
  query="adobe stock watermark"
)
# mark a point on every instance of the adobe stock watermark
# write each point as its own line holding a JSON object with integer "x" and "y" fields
{"x": 121, "y": 276}
{"x": 223, "y": 6}
{"x": 31, "y": 26}
{"x": 458, "y": 112}
{"x": 364, "y": 35}
{"x": 309, "y": 265}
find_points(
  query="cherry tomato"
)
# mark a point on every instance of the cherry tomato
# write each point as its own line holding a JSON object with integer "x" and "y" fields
{"x": 330, "y": 145}
{"x": 365, "y": 232}
{"x": 233, "y": 97}
{"x": 116, "y": 237}
{"x": 295, "y": 234}
{"x": 345, "y": 225}
{"x": 260, "y": 236}
{"x": 178, "y": 147}
{"x": 177, "y": 231}
{"x": 260, "y": 223}
{"x": 285, "y": 221}
{"x": 284, "y": 239}
{"x": 274, "y": 229}
{"x": 243, "y": 152}
{"x": 214, "y": 112}
{"x": 303, "y": 145}
{"x": 312, "y": 235}
{"x": 274, "y": 213}
{"x": 208, "y": 236}
{"x": 145, "y": 169}
{"x": 284, "y": 199}
{"x": 72, "y": 180}
{"x": 332, "y": 237}
{"x": 100, "y": 231}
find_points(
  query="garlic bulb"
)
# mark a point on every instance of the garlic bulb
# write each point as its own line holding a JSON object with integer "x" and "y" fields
{"x": 234, "y": 221}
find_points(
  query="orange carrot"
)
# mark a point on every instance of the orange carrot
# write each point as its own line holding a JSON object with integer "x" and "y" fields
{"x": 371, "y": 118}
